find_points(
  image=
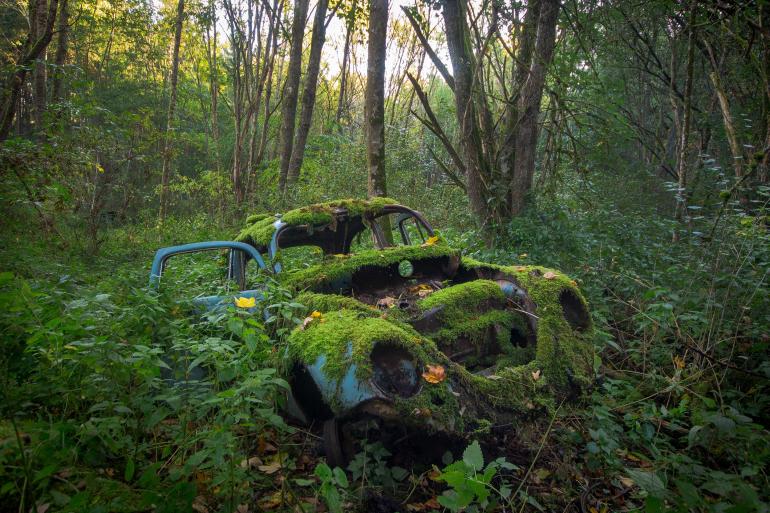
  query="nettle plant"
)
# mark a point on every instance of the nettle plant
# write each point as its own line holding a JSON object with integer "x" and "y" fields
{"x": 472, "y": 484}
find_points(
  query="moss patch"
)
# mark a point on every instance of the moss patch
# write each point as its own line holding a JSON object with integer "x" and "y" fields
{"x": 333, "y": 302}
{"x": 346, "y": 337}
{"x": 336, "y": 267}
{"x": 460, "y": 299}
{"x": 259, "y": 228}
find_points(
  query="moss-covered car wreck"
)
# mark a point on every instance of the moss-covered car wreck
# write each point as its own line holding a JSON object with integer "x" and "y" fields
{"x": 401, "y": 327}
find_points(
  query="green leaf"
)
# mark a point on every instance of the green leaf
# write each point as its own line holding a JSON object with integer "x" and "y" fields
{"x": 473, "y": 457}
{"x": 128, "y": 474}
{"x": 340, "y": 477}
{"x": 196, "y": 459}
{"x": 647, "y": 481}
{"x": 450, "y": 500}
{"x": 323, "y": 471}
{"x": 399, "y": 473}
{"x": 654, "y": 505}
{"x": 688, "y": 493}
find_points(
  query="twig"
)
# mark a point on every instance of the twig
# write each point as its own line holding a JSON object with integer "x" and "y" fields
{"x": 539, "y": 450}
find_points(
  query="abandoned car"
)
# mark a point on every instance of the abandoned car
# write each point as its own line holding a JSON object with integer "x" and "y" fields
{"x": 403, "y": 330}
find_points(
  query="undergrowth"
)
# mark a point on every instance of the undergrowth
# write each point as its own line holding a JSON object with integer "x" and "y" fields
{"x": 116, "y": 398}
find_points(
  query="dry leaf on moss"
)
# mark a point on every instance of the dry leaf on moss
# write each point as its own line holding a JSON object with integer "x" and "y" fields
{"x": 536, "y": 375}
{"x": 434, "y": 374}
{"x": 386, "y": 302}
{"x": 550, "y": 275}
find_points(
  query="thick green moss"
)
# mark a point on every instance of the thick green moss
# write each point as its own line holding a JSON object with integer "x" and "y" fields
{"x": 347, "y": 337}
{"x": 332, "y": 302}
{"x": 462, "y": 298}
{"x": 336, "y": 267}
{"x": 259, "y": 230}
{"x": 254, "y": 218}
{"x": 474, "y": 326}
{"x": 564, "y": 355}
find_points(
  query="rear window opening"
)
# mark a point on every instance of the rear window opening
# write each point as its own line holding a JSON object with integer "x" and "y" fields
{"x": 395, "y": 370}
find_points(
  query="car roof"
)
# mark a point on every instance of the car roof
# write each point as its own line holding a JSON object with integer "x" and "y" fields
{"x": 330, "y": 216}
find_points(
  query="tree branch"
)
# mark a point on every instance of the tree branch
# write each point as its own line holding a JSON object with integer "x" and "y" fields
{"x": 440, "y": 66}
{"x": 433, "y": 124}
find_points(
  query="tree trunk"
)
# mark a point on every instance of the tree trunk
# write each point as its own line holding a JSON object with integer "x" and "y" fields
{"x": 463, "y": 64}
{"x": 214, "y": 81}
{"x": 166, "y": 173}
{"x": 34, "y": 46}
{"x": 309, "y": 92}
{"x": 62, "y": 43}
{"x": 39, "y": 80}
{"x": 375, "y": 97}
{"x": 529, "y": 106}
{"x": 291, "y": 90}
{"x": 341, "y": 100}
{"x": 526, "y": 42}
{"x": 684, "y": 144}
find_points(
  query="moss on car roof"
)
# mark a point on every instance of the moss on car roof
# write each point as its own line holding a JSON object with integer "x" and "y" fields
{"x": 259, "y": 227}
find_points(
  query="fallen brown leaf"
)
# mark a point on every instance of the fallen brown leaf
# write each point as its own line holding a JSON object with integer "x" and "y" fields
{"x": 434, "y": 374}
{"x": 386, "y": 302}
{"x": 270, "y": 468}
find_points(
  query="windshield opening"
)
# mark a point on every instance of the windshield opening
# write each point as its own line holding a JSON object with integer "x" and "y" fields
{"x": 394, "y": 226}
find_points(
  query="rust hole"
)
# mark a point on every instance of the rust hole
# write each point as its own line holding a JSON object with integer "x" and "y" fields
{"x": 518, "y": 338}
{"x": 575, "y": 312}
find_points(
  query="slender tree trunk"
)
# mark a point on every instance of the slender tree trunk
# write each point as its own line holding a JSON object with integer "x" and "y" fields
{"x": 291, "y": 90}
{"x": 684, "y": 144}
{"x": 529, "y": 106}
{"x": 214, "y": 82}
{"x": 375, "y": 97}
{"x": 167, "y": 147}
{"x": 39, "y": 80}
{"x": 342, "y": 100}
{"x": 34, "y": 46}
{"x": 309, "y": 92}
{"x": 269, "y": 80}
{"x": 62, "y": 44}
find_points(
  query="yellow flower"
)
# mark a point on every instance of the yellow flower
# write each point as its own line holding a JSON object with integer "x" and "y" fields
{"x": 245, "y": 302}
{"x": 431, "y": 240}
{"x": 316, "y": 314}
